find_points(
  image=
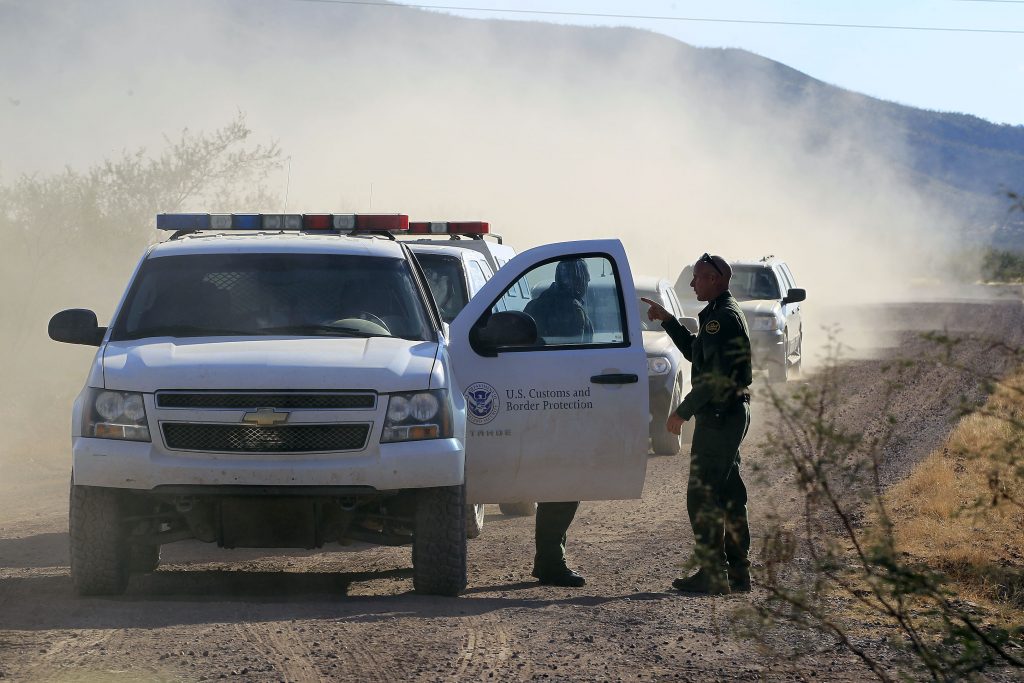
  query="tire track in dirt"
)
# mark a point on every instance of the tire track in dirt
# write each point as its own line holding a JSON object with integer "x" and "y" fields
{"x": 284, "y": 648}
{"x": 360, "y": 656}
{"x": 77, "y": 651}
{"x": 486, "y": 649}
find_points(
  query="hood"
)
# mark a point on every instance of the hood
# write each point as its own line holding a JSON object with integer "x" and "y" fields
{"x": 658, "y": 344}
{"x": 760, "y": 306}
{"x": 380, "y": 364}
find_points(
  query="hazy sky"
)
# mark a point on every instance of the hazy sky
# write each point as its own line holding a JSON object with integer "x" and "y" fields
{"x": 975, "y": 73}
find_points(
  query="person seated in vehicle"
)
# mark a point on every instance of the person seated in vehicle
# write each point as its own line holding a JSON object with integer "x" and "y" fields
{"x": 560, "y": 310}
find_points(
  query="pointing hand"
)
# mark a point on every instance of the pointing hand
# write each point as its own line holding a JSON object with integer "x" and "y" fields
{"x": 656, "y": 310}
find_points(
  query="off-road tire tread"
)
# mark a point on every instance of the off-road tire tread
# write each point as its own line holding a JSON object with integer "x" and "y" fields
{"x": 99, "y": 548}
{"x": 439, "y": 541}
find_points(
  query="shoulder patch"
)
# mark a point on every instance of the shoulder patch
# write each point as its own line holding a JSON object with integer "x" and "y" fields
{"x": 713, "y": 327}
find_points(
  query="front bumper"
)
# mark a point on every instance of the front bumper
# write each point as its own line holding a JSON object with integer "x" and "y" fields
{"x": 386, "y": 467}
{"x": 766, "y": 347}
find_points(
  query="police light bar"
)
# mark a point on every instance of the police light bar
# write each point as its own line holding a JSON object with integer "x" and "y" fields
{"x": 278, "y": 222}
{"x": 450, "y": 228}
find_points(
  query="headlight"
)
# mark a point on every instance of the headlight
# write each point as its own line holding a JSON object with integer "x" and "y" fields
{"x": 418, "y": 415}
{"x": 658, "y": 365}
{"x": 765, "y": 322}
{"x": 115, "y": 415}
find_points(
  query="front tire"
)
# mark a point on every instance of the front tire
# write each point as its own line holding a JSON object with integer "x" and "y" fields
{"x": 664, "y": 442}
{"x": 100, "y": 552}
{"x": 797, "y": 368}
{"x": 778, "y": 371}
{"x": 439, "y": 541}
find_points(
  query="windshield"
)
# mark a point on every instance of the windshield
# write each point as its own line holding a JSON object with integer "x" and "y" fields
{"x": 204, "y": 295}
{"x": 753, "y": 282}
{"x": 444, "y": 275}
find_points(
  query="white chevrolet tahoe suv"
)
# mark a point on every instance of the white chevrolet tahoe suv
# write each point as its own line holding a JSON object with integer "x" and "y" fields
{"x": 287, "y": 381}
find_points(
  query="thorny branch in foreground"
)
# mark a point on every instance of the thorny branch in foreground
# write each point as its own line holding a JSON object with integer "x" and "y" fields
{"x": 847, "y": 539}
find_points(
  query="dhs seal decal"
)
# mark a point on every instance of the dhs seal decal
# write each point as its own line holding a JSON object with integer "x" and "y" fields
{"x": 482, "y": 403}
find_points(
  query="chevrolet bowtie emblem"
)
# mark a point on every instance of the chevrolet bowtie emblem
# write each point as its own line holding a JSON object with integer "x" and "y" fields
{"x": 265, "y": 417}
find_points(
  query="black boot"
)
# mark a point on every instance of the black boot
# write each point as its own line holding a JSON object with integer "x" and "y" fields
{"x": 704, "y": 581}
{"x": 739, "y": 579}
{"x": 559, "y": 575}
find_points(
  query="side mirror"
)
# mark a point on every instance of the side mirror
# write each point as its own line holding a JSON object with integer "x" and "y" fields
{"x": 76, "y": 326}
{"x": 794, "y": 296}
{"x": 505, "y": 328}
{"x": 692, "y": 325}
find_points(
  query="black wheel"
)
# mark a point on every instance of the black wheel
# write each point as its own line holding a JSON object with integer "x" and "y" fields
{"x": 664, "y": 442}
{"x": 99, "y": 549}
{"x": 144, "y": 558}
{"x": 439, "y": 541}
{"x": 474, "y": 520}
{"x": 796, "y": 369}
{"x": 520, "y": 509}
{"x": 778, "y": 370}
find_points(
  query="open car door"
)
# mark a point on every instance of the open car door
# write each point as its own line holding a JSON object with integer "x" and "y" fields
{"x": 551, "y": 362}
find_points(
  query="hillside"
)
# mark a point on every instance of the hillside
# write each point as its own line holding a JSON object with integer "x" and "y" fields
{"x": 385, "y": 85}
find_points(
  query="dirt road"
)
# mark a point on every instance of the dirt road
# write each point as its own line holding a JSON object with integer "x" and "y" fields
{"x": 350, "y": 614}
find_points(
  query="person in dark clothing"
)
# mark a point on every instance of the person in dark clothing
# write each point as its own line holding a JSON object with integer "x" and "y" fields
{"x": 561, "y": 317}
{"x": 719, "y": 402}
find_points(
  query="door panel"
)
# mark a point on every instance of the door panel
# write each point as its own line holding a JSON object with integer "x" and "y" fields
{"x": 564, "y": 417}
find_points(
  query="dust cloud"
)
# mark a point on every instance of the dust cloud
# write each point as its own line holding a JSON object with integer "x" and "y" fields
{"x": 550, "y": 133}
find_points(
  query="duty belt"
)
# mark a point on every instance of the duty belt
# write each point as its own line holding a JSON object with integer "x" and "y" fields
{"x": 736, "y": 402}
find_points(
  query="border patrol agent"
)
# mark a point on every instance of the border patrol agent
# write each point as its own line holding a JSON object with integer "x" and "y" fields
{"x": 560, "y": 313}
{"x": 719, "y": 402}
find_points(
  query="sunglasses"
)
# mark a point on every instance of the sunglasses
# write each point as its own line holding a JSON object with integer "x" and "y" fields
{"x": 706, "y": 258}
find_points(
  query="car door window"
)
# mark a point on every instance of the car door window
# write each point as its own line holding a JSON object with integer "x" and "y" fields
{"x": 476, "y": 277}
{"x": 575, "y": 301}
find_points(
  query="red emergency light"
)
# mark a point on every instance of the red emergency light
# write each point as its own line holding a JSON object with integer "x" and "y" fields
{"x": 427, "y": 228}
{"x": 317, "y": 221}
{"x": 469, "y": 228}
{"x": 449, "y": 228}
{"x": 388, "y": 222}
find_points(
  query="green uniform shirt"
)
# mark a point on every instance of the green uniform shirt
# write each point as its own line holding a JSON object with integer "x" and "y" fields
{"x": 719, "y": 355}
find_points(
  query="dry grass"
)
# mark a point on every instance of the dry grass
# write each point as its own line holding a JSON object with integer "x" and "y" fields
{"x": 961, "y": 511}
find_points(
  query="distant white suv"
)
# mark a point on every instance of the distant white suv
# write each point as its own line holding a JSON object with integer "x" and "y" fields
{"x": 771, "y": 302}
{"x": 287, "y": 381}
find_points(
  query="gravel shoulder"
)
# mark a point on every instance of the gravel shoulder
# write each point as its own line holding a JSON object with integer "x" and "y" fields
{"x": 349, "y": 613}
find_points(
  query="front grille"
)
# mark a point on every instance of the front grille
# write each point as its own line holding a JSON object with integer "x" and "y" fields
{"x": 241, "y": 438}
{"x": 244, "y": 401}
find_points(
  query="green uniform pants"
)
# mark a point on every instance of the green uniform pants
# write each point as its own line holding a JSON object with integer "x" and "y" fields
{"x": 553, "y": 520}
{"x": 716, "y": 499}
